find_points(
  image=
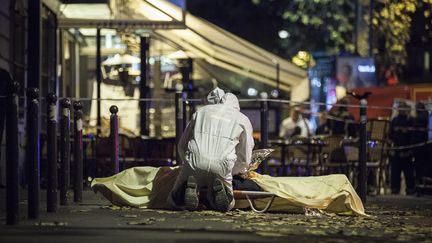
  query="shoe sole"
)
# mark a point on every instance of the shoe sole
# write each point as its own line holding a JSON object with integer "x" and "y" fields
{"x": 191, "y": 194}
{"x": 220, "y": 196}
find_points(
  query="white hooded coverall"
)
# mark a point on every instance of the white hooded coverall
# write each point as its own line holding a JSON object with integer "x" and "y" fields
{"x": 217, "y": 142}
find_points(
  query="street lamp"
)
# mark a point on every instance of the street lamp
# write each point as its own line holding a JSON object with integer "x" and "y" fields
{"x": 283, "y": 34}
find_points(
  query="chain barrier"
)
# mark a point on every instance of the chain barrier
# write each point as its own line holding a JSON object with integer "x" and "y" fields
{"x": 411, "y": 146}
{"x": 281, "y": 101}
{"x": 102, "y": 99}
{"x": 202, "y": 101}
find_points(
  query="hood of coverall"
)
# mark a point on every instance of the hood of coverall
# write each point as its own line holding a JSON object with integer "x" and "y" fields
{"x": 230, "y": 99}
{"x": 215, "y": 96}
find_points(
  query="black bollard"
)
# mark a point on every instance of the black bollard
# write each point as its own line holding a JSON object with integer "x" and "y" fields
{"x": 179, "y": 120}
{"x": 78, "y": 152}
{"x": 143, "y": 87}
{"x": 33, "y": 158}
{"x": 114, "y": 139}
{"x": 264, "y": 128}
{"x": 65, "y": 150}
{"x": 52, "y": 153}
{"x": 12, "y": 188}
{"x": 362, "y": 179}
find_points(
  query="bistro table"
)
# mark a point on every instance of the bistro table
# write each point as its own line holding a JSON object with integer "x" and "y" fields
{"x": 310, "y": 143}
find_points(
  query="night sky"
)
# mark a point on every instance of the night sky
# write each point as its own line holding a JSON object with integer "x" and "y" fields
{"x": 258, "y": 24}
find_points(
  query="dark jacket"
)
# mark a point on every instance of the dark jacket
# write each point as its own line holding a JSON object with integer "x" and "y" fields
{"x": 338, "y": 127}
{"x": 420, "y": 125}
{"x": 399, "y": 130}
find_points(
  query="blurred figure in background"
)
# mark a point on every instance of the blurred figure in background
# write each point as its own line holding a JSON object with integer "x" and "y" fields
{"x": 344, "y": 120}
{"x": 323, "y": 125}
{"x": 4, "y": 82}
{"x": 401, "y": 159}
{"x": 295, "y": 125}
{"x": 420, "y": 135}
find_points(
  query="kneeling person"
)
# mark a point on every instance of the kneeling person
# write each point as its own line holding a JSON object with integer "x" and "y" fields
{"x": 216, "y": 144}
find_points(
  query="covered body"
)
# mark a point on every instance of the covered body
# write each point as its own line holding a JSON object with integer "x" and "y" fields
{"x": 148, "y": 187}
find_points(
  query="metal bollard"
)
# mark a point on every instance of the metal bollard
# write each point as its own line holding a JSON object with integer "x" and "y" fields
{"x": 78, "y": 151}
{"x": 33, "y": 158}
{"x": 179, "y": 121}
{"x": 143, "y": 87}
{"x": 98, "y": 80}
{"x": 12, "y": 188}
{"x": 264, "y": 128}
{"x": 114, "y": 139}
{"x": 52, "y": 156}
{"x": 65, "y": 150}
{"x": 362, "y": 179}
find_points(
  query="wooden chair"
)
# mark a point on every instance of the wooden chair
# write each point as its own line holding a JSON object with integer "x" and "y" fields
{"x": 378, "y": 133}
{"x": 304, "y": 157}
{"x": 378, "y": 129}
{"x": 333, "y": 155}
{"x": 274, "y": 163}
{"x": 377, "y": 163}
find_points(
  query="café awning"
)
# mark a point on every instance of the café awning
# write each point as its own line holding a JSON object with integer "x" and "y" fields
{"x": 204, "y": 40}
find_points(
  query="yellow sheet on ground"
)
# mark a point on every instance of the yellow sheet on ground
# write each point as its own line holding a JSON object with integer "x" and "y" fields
{"x": 149, "y": 186}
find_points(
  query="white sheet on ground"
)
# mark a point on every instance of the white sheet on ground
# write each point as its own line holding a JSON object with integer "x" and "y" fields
{"x": 148, "y": 187}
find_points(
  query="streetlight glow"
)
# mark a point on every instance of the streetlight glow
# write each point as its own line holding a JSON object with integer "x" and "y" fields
{"x": 283, "y": 34}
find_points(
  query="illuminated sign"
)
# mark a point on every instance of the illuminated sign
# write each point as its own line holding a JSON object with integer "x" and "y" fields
{"x": 366, "y": 68}
{"x": 353, "y": 72}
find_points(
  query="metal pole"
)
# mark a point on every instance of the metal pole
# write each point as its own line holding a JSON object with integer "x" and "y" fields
{"x": 144, "y": 53}
{"x": 98, "y": 79}
{"x": 278, "y": 79}
{"x": 65, "y": 150}
{"x": 34, "y": 47}
{"x": 179, "y": 120}
{"x": 264, "y": 128}
{"x": 12, "y": 188}
{"x": 78, "y": 151}
{"x": 114, "y": 139}
{"x": 34, "y": 43}
{"x": 362, "y": 151}
{"x": 52, "y": 153}
{"x": 33, "y": 158}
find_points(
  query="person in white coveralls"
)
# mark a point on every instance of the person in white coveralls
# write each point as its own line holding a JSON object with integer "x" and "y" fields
{"x": 216, "y": 144}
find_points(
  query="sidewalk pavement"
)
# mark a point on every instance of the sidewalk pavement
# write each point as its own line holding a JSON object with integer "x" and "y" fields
{"x": 394, "y": 218}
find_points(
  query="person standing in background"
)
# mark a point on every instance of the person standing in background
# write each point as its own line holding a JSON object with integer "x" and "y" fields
{"x": 323, "y": 125}
{"x": 295, "y": 125}
{"x": 400, "y": 159}
{"x": 343, "y": 122}
{"x": 419, "y": 136}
